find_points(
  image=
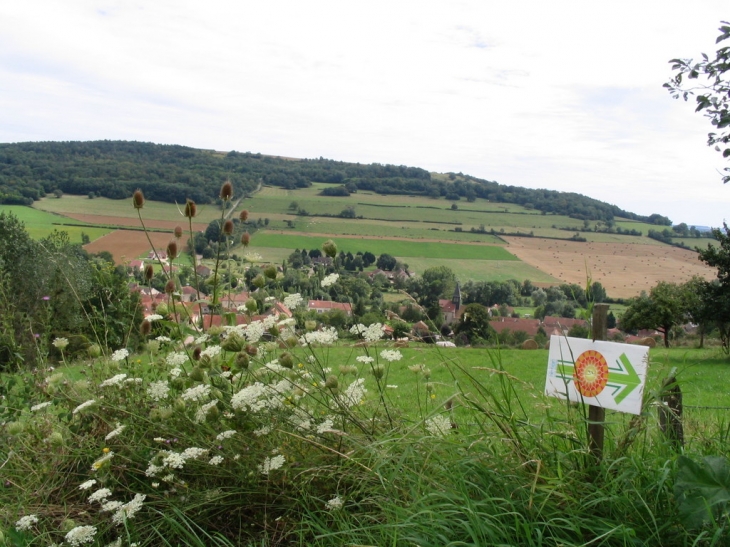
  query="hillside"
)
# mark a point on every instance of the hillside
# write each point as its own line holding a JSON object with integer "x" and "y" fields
{"x": 114, "y": 169}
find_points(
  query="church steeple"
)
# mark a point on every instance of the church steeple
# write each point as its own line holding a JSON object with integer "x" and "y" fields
{"x": 456, "y": 299}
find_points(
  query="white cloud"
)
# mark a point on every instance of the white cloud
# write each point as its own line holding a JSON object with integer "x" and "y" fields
{"x": 564, "y": 94}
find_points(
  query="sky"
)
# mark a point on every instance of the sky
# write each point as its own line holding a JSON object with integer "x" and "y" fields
{"x": 563, "y": 95}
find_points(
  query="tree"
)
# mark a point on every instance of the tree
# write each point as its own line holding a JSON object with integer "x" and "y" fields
{"x": 474, "y": 323}
{"x": 711, "y": 91}
{"x": 714, "y": 305}
{"x": 386, "y": 262}
{"x": 664, "y": 307}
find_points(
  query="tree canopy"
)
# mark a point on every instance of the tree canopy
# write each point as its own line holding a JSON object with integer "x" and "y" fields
{"x": 708, "y": 81}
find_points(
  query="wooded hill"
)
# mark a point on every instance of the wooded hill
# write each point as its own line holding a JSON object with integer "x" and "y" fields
{"x": 171, "y": 173}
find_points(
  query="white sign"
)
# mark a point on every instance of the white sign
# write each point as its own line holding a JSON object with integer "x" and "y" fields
{"x": 606, "y": 374}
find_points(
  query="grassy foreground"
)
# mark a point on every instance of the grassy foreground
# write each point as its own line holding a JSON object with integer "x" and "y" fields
{"x": 244, "y": 442}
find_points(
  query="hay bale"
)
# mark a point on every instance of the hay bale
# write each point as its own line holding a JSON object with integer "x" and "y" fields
{"x": 529, "y": 344}
{"x": 401, "y": 344}
{"x": 648, "y": 341}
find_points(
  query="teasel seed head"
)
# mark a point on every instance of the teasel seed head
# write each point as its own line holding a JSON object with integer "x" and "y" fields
{"x": 190, "y": 209}
{"x": 226, "y": 191}
{"x": 172, "y": 250}
{"x": 145, "y": 328}
{"x": 245, "y": 239}
{"x": 178, "y": 232}
{"x": 196, "y": 353}
{"x": 170, "y": 286}
{"x": 138, "y": 199}
{"x": 228, "y": 227}
{"x": 149, "y": 272}
{"x": 243, "y": 215}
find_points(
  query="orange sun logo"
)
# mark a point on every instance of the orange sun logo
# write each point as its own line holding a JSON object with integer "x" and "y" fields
{"x": 591, "y": 373}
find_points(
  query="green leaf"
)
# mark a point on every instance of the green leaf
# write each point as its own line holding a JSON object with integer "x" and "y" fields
{"x": 702, "y": 489}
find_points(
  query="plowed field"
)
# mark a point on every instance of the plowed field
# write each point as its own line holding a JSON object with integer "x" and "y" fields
{"x": 126, "y": 245}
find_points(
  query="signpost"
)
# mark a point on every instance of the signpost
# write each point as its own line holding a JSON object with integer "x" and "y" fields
{"x": 603, "y": 374}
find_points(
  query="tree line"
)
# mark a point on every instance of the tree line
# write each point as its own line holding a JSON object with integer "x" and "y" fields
{"x": 172, "y": 173}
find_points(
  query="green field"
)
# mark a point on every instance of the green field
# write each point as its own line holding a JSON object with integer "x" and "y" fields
{"x": 401, "y": 249}
{"x": 40, "y": 224}
{"x": 482, "y": 270}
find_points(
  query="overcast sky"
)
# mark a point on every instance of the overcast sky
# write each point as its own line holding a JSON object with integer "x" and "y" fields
{"x": 565, "y": 95}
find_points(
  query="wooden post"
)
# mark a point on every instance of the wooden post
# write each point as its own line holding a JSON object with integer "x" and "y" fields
{"x": 597, "y": 414}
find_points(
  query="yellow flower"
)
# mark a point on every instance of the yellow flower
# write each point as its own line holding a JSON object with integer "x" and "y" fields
{"x": 433, "y": 395}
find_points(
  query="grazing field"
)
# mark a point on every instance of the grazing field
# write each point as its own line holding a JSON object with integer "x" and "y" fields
{"x": 152, "y": 223}
{"x": 40, "y": 224}
{"x": 623, "y": 270}
{"x": 483, "y": 270}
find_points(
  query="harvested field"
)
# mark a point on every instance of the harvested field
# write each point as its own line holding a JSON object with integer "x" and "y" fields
{"x": 134, "y": 222}
{"x": 126, "y": 245}
{"x": 623, "y": 270}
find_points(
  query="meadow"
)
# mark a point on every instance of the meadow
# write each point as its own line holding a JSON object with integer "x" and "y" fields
{"x": 41, "y": 224}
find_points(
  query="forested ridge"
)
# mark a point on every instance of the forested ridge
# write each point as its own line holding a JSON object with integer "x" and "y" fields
{"x": 172, "y": 173}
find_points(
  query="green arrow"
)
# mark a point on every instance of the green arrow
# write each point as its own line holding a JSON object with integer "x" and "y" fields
{"x": 624, "y": 374}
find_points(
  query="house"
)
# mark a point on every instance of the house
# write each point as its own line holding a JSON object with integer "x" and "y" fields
{"x": 157, "y": 254}
{"x": 322, "y": 306}
{"x": 529, "y": 326}
{"x": 136, "y": 266}
{"x": 203, "y": 270}
{"x": 452, "y": 309}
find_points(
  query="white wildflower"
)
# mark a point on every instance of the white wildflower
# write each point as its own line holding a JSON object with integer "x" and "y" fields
{"x": 101, "y": 461}
{"x": 331, "y": 279}
{"x": 60, "y": 343}
{"x": 114, "y": 381}
{"x": 391, "y": 386}
{"x": 202, "y": 339}
{"x": 325, "y": 426}
{"x": 153, "y": 469}
{"x": 364, "y": 359}
{"x": 129, "y": 509}
{"x": 391, "y": 355}
{"x": 100, "y": 495}
{"x": 254, "y": 331}
{"x": 326, "y": 337}
{"x": 174, "y": 460}
{"x": 120, "y": 355}
{"x": 270, "y": 320}
{"x": 193, "y": 453}
{"x": 354, "y": 393}
{"x": 202, "y": 412}
{"x": 80, "y": 535}
{"x": 88, "y": 484}
{"x": 335, "y": 503}
{"x": 439, "y": 425}
{"x": 154, "y": 317}
{"x": 25, "y": 523}
{"x": 225, "y": 435}
{"x": 116, "y": 543}
{"x": 177, "y": 359}
{"x": 261, "y": 431}
{"x": 216, "y": 460}
{"x": 111, "y": 506}
{"x": 250, "y": 397}
{"x": 83, "y": 406}
{"x": 133, "y": 381}
{"x": 196, "y": 393}
{"x": 211, "y": 351}
{"x": 293, "y": 300}
{"x": 39, "y": 406}
{"x": 271, "y": 464}
{"x": 164, "y": 339}
{"x": 175, "y": 372}
{"x": 158, "y": 391}
{"x": 115, "y": 432}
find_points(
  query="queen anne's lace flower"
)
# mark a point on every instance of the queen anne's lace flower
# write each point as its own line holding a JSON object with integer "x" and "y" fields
{"x": 120, "y": 355}
{"x": 196, "y": 393}
{"x": 83, "y": 406}
{"x": 60, "y": 343}
{"x": 271, "y": 464}
{"x": 216, "y": 460}
{"x": 154, "y": 317}
{"x": 117, "y": 381}
{"x": 325, "y": 426}
{"x": 326, "y": 337}
{"x": 335, "y": 503}
{"x": 176, "y": 359}
{"x": 115, "y": 432}
{"x": 202, "y": 412}
{"x": 439, "y": 425}
{"x": 391, "y": 355}
{"x": 25, "y": 523}
{"x": 250, "y": 397}
{"x": 293, "y": 300}
{"x": 129, "y": 509}
{"x": 100, "y": 495}
{"x": 158, "y": 391}
{"x": 211, "y": 351}
{"x": 80, "y": 535}
{"x": 88, "y": 484}
{"x": 39, "y": 406}
{"x": 364, "y": 359}
{"x": 225, "y": 435}
{"x": 354, "y": 393}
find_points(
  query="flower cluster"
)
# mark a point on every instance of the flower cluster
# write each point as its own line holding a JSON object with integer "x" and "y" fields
{"x": 326, "y": 337}
{"x": 293, "y": 301}
{"x": 391, "y": 355}
{"x": 26, "y": 522}
{"x": 60, "y": 343}
{"x": 331, "y": 279}
{"x": 372, "y": 333}
{"x": 159, "y": 390}
{"x": 439, "y": 425}
{"x": 117, "y": 381}
{"x": 120, "y": 355}
{"x": 81, "y": 535}
{"x": 271, "y": 464}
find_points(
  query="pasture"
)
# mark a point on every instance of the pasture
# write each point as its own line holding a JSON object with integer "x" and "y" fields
{"x": 40, "y": 224}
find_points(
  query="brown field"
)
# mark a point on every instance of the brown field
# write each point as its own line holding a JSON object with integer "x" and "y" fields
{"x": 133, "y": 222}
{"x": 623, "y": 270}
{"x": 126, "y": 245}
